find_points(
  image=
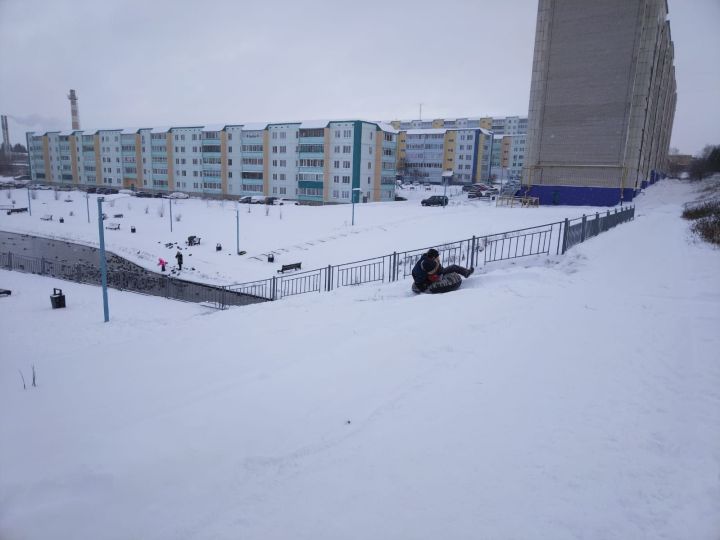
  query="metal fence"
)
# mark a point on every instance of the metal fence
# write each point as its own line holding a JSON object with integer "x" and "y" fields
{"x": 472, "y": 252}
{"x": 580, "y": 229}
{"x": 541, "y": 240}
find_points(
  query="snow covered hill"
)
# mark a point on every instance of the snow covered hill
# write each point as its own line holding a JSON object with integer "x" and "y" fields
{"x": 577, "y": 398}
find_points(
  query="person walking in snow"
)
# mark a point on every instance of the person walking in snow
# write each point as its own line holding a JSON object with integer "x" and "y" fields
{"x": 179, "y": 258}
{"x": 162, "y": 263}
{"x": 429, "y": 270}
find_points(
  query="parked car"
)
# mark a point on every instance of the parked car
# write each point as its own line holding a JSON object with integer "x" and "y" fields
{"x": 257, "y": 199}
{"x": 399, "y": 198}
{"x": 126, "y": 191}
{"x": 159, "y": 195}
{"x": 178, "y": 195}
{"x": 90, "y": 189}
{"x": 482, "y": 193}
{"x": 270, "y": 200}
{"x": 246, "y": 199}
{"x": 143, "y": 194}
{"x": 435, "y": 200}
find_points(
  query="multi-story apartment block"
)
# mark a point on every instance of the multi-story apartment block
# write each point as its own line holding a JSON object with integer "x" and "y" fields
{"x": 315, "y": 162}
{"x": 429, "y": 154}
{"x": 508, "y": 154}
{"x": 602, "y": 100}
{"x": 467, "y": 144}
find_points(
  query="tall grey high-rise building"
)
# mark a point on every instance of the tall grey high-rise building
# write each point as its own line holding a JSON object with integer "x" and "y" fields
{"x": 602, "y": 100}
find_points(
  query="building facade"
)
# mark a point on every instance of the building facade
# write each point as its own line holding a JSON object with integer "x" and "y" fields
{"x": 602, "y": 100}
{"x": 424, "y": 155}
{"x": 315, "y": 162}
{"x": 427, "y": 148}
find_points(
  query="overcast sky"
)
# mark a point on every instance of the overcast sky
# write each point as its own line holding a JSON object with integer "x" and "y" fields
{"x": 156, "y": 62}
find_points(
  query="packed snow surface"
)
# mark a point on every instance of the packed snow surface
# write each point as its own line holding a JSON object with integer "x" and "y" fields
{"x": 562, "y": 397}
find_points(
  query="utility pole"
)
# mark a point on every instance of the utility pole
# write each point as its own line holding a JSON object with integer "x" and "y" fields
{"x": 103, "y": 262}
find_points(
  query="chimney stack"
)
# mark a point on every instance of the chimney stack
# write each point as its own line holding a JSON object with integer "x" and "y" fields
{"x": 6, "y": 146}
{"x": 74, "y": 110}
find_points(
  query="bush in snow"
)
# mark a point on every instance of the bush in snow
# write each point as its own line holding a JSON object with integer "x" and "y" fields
{"x": 147, "y": 209}
{"x": 178, "y": 217}
{"x": 33, "y": 194}
{"x": 267, "y": 210}
{"x": 161, "y": 210}
{"x": 707, "y": 214}
{"x": 56, "y": 194}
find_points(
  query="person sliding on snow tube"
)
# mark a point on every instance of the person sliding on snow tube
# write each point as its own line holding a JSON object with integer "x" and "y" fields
{"x": 430, "y": 276}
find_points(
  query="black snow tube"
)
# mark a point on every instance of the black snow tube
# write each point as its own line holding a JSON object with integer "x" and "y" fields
{"x": 449, "y": 282}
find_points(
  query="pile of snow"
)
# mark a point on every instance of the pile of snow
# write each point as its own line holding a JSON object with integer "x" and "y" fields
{"x": 575, "y": 399}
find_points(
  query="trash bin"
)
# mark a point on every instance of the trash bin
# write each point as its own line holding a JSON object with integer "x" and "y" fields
{"x": 132, "y": 228}
{"x": 57, "y": 300}
{"x": 271, "y": 258}
{"x": 218, "y": 247}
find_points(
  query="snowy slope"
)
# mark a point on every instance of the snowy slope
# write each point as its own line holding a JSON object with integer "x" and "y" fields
{"x": 579, "y": 398}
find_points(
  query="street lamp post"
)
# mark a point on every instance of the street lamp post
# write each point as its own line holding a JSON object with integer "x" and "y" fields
{"x": 87, "y": 205}
{"x": 103, "y": 262}
{"x": 353, "y": 193}
{"x": 492, "y": 141}
{"x": 237, "y": 229}
{"x": 29, "y": 205}
{"x": 170, "y": 214}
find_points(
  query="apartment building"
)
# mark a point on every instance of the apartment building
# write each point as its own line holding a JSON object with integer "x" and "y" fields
{"x": 426, "y": 154}
{"x": 602, "y": 100}
{"x": 427, "y": 148}
{"x": 315, "y": 162}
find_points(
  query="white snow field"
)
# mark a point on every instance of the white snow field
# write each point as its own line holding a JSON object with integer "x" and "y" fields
{"x": 314, "y": 236}
{"x": 560, "y": 398}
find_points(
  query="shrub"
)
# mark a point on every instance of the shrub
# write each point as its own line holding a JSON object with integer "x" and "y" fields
{"x": 708, "y": 228}
{"x": 702, "y": 209}
{"x": 178, "y": 217}
{"x": 707, "y": 216}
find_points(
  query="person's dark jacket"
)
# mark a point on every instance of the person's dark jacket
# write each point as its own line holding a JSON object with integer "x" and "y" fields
{"x": 423, "y": 270}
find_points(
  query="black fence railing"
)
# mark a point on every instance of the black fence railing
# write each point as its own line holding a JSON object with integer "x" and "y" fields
{"x": 472, "y": 252}
{"x": 541, "y": 240}
{"x": 580, "y": 229}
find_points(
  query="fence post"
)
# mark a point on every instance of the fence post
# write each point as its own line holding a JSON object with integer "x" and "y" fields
{"x": 597, "y": 223}
{"x": 10, "y": 261}
{"x": 565, "y": 235}
{"x": 273, "y": 288}
{"x": 394, "y": 267}
{"x": 584, "y": 224}
{"x": 328, "y": 279}
{"x": 472, "y": 252}
{"x": 223, "y": 299}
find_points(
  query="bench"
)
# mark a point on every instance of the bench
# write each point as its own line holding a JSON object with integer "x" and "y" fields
{"x": 193, "y": 241}
{"x": 16, "y": 210}
{"x": 286, "y": 267}
{"x": 47, "y": 217}
{"x": 117, "y": 215}
{"x": 113, "y": 226}
{"x": 5, "y": 292}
